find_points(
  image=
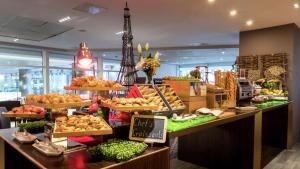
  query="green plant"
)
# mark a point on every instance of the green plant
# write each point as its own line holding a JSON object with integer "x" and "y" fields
{"x": 118, "y": 150}
{"x": 33, "y": 127}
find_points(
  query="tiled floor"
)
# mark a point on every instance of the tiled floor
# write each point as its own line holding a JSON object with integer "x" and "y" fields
{"x": 178, "y": 164}
{"x": 287, "y": 159}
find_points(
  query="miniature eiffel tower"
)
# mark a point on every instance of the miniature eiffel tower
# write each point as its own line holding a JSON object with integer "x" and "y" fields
{"x": 127, "y": 74}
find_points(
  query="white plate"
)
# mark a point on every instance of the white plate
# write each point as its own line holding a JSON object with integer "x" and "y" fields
{"x": 49, "y": 154}
{"x": 30, "y": 138}
{"x": 203, "y": 110}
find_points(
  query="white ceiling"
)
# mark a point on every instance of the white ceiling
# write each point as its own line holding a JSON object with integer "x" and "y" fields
{"x": 163, "y": 23}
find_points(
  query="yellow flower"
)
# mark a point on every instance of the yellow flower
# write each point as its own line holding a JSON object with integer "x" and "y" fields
{"x": 147, "y": 46}
{"x": 139, "y": 48}
{"x": 156, "y": 56}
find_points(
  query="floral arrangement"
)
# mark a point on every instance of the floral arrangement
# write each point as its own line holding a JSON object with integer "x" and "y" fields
{"x": 148, "y": 64}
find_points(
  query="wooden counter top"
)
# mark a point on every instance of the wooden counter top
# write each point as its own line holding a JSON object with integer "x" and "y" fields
{"x": 80, "y": 159}
{"x": 275, "y": 107}
{"x": 239, "y": 115}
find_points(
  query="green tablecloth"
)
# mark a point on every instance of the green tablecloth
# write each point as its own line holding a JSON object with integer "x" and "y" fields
{"x": 176, "y": 126}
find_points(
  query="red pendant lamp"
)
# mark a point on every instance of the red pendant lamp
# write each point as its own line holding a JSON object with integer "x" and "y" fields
{"x": 84, "y": 56}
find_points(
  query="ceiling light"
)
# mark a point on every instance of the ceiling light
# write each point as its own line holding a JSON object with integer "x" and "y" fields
{"x": 195, "y": 44}
{"x": 223, "y": 52}
{"x": 119, "y": 33}
{"x": 296, "y": 5}
{"x": 211, "y": 1}
{"x": 233, "y": 12}
{"x": 64, "y": 19}
{"x": 16, "y": 40}
{"x": 249, "y": 22}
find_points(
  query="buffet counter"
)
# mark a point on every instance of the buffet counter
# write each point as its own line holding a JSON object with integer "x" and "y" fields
{"x": 16, "y": 155}
{"x": 244, "y": 140}
{"x": 238, "y": 141}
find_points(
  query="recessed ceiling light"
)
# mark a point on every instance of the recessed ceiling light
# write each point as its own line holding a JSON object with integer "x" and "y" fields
{"x": 64, "y": 19}
{"x": 195, "y": 44}
{"x": 249, "y": 23}
{"x": 223, "y": 52}
{"x": 211, "y": 1}
{"x": 296, "y": 5}
{"x": 233, "y": 12}
{"x": 16, "y": 40}
{"x": 119, "y": 33}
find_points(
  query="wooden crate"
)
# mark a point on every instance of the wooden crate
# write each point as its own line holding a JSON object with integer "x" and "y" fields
{"x": 186, "y": 88}
{"x": 192, "y": 106}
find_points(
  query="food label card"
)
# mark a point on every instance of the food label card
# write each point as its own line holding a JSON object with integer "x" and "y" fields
{"x": 148, "y": 128}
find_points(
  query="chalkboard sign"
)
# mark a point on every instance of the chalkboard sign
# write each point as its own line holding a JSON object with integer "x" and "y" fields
{"x": 158, "y": 81}
{"x": 148, "y": 128}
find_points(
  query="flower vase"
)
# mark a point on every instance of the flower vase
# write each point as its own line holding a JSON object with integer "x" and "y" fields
{"x": 149, "y": 78}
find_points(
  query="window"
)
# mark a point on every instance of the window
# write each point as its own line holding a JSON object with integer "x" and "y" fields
{"x": 19, "y": 82}
{"x": 60, "y": 60}
{"x": 20, "y": 73}
{"x": 58, "y": 78}
{"x": 15, "y": 57}
{"x": 111, "y": 69}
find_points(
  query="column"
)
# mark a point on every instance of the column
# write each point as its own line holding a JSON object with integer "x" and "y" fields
{"x": 45, "y": 70}
{"x": 100, "y": 66}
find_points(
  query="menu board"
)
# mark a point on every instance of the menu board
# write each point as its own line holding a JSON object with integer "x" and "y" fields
{"x": 148, "y": 128}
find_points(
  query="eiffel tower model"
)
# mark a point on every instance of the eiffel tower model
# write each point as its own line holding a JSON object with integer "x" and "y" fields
{"x": 127, "y": 74}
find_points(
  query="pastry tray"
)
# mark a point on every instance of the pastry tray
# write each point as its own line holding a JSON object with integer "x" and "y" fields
{"x": 129, "y": 108}
{"x": 24, "y": 115}
{"x": 156, "y": 112}
{"x": 61, "y": 105}
{"x": 165, "y": 99}
{"x": 94, "y": 88}
{"x": 105, "y": 130}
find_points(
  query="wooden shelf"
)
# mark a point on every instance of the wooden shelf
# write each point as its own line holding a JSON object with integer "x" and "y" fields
{"x": 94, "y": 88}
{"x": 130, "y": 109}
{"x": 61, "y": 105}
{"x": 24, "y": 115}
